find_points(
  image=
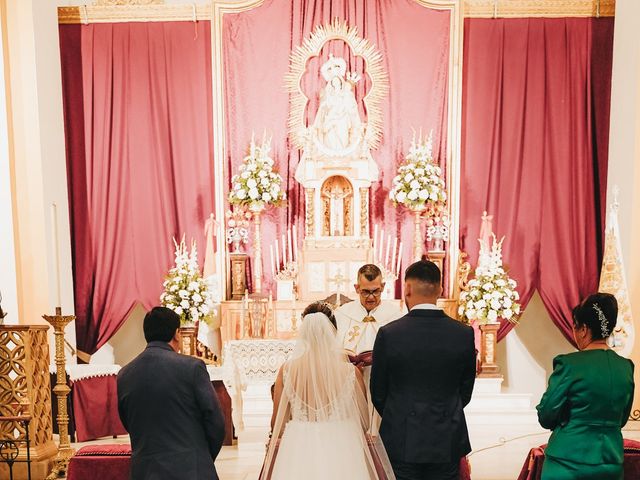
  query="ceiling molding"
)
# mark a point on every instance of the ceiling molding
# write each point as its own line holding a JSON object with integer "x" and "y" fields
{"x": 538, "y": 8}
{"x": 114, "y": 11}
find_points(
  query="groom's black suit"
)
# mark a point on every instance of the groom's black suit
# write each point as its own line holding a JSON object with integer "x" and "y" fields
{"x": 168, "y": 406}
{"x": 421, "y": 379}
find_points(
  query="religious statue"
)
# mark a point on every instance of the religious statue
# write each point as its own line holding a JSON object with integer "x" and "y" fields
{"x": 337, "y": 130}
{"x": 337, "y": 193}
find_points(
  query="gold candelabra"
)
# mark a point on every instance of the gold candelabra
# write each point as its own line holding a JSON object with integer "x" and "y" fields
{"x": 65, "y": 452}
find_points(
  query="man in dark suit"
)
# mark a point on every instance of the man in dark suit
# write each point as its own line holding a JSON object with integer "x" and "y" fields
{"x": 421, "y": 379}
{"x": 168, "y": 406}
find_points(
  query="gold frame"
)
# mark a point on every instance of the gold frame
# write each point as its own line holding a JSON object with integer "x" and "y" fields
{"x": 374, "y": 68}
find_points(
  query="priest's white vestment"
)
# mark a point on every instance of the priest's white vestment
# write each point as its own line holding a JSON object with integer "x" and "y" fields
{"x": 357, "y": 330}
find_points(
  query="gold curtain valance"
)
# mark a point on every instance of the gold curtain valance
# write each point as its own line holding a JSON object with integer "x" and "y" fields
{"x": 147, "y": 11}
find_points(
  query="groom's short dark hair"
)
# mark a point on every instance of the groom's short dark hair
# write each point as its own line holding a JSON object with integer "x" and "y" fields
{"x": 424, "y": 271}
{"x": 160, "y": 324}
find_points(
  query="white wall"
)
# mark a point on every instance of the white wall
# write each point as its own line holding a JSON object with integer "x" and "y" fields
{"x": 624, "y": 151}
{"x": 8, "y": 285}
{"x": 526, "y": 354}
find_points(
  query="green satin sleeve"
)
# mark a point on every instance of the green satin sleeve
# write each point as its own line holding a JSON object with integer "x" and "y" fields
{"x": 553, "y": 405}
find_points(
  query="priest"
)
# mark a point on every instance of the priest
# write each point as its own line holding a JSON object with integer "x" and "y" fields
{"x": 358, "y": 323}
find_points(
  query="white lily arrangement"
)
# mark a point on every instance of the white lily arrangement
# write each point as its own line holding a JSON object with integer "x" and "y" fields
{"x": 491, "y": 295}
{"x": 419, "y": 183}
{"x": 185, "y": 291}
{"x": 257, "y": 185}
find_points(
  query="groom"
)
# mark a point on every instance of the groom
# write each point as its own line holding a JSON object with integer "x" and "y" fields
{"x": 421, "y": 379}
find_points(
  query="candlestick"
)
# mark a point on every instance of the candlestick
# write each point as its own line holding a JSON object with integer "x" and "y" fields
{"x": 277, "y": 257}
{"x": 62, "y": 389}
{"x": 399, "y": 259}
{"x": 284, "y": 252}
{"x": 273, "y": 265}
{"x": 375, "y": 241}
{"x": 289, "y": 245}
{"x": 393, "y": 254}
{"x": 56, "y": 251}
{"x": 295, "y": 243}
{"x": 386, "y": 255}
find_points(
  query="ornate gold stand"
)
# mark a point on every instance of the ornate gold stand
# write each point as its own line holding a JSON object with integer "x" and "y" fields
{"x": 65, "y": 452}
{"x": 257, "y": 250}
{"x": 488, "y": 366}
{"x": 417, "y": 234}
{"x": 188, "y": 343}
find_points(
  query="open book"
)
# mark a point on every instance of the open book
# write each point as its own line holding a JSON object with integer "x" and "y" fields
{"x": 362, "y": 359}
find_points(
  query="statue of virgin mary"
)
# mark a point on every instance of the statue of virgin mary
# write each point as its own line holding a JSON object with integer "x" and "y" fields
{"x": 337, "y": 130}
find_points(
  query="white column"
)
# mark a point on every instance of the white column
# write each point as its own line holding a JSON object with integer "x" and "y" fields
{"x": 37, "y": 154}
{"x": 624, "y": 148}
{"x": 8, "y": 286}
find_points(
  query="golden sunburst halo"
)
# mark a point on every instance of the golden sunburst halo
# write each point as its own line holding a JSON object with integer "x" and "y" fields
{"x": 361, "y": 47}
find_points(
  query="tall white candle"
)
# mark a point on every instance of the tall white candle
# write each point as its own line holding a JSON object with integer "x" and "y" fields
{"x": 393, "y": 254}
{"x": 277, "y": 257}
{"x": 56, "y": 252}
{"x": 289, "y": 245}
{"x": 381, "y": 246}
{"x": 273, "y": 265}
{"x": 386, "y": 255}
{"x": 399, "y": 258}
{"x": 295, "y": 243}
{"x": 375, "y": 241}
{"x": 284, "y": 252}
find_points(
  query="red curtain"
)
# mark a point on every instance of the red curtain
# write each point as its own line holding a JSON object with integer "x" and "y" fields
{"x": 414, "y": 42}
{"x": 137, "y": 102}
{"x": 536, "y": 97}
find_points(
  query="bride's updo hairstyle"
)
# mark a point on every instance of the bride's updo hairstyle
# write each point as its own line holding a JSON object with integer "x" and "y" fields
{"x": 321, "y": 307}
{"x": 599, "y": 312}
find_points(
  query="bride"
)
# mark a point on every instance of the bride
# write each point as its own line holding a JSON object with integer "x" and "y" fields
{"x": 320, "y": 412}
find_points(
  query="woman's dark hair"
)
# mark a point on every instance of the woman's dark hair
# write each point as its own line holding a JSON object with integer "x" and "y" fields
{"x": 160, "y": 324}
{"x": 599, "y": 312}
{"x": 321, "y": 307}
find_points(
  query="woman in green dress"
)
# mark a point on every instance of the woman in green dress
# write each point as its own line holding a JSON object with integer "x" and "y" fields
{"x": 588, "y": 399}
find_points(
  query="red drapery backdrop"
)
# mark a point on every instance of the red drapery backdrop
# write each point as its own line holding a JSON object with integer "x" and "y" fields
{"x": 138, "y": 115}
{"x": 536, "y": 95}
{"x": 414, "y": 42}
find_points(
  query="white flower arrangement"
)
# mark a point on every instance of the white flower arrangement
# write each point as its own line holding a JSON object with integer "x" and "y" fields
{"x": 491, "y": 295}
{"x": 257, "y": 185}
{"x": 419, "y": 183}
{"x": 185, "y": 291}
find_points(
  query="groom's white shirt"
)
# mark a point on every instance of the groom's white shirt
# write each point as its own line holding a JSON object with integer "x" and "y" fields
{"x": 426, "y": 306}
{"x": 358, "y": 336}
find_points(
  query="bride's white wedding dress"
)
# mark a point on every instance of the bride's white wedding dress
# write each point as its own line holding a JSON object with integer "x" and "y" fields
{"x": 322, "y": 415}
{"x": 331, "y": 448}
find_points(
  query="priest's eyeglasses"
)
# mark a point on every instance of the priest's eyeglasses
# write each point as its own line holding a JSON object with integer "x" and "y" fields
{"x": 370, "y": 293}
